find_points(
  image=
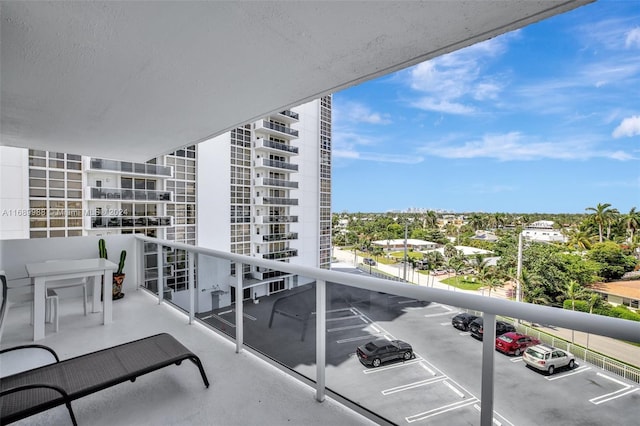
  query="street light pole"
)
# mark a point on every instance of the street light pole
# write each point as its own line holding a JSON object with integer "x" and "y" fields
{"x": 405, "y": 250}
{"x": 519, "y": 270}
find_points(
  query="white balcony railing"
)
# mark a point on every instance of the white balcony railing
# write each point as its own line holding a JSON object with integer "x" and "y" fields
{"x": 213, "y": 274}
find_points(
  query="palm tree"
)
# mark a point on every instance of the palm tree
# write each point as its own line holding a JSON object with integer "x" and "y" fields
{"x": 578, "y": 239}
{"x": 632, "y": 220}
{"x": 602, "y": 216}
{"x": 494, "y": 282}
{"x": 476, "y": 222}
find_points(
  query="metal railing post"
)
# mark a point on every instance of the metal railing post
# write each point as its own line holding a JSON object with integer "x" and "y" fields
{"x": 239, "y": 295}
{"x": 192, "y": 287}
{"x": 321, "y": 338}
{"x": 488, "y": 352}
{"x": 160, "y": 263}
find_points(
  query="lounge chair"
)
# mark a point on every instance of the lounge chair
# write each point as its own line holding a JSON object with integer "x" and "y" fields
{"x": 48, "y": 382}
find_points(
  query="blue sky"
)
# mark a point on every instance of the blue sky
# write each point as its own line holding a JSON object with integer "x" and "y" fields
{"x": 543, "y": 119}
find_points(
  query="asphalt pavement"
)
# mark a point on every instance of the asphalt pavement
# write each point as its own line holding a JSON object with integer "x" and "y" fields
{"x": 613, "y": 348}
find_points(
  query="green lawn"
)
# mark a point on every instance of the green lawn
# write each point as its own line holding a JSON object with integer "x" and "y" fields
{"x": 461, "y": 283}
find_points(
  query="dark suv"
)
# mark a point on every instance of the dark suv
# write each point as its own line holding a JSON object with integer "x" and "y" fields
{"x": 477, "y": 330}
{"x": 462, "y": 321}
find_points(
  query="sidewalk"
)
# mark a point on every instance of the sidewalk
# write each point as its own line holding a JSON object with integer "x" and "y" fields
{"x": 613, "y": 348}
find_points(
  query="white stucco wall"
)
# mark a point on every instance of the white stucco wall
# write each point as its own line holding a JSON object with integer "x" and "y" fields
{"x": 14, "y": 193}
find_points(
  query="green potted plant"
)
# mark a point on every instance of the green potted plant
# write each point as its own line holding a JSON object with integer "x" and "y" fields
{"x": 118, "y": 276}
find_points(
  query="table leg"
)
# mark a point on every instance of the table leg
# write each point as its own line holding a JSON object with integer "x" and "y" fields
{"x": 95, "y": 303}
{"x": 38, "y": 308}
{"x": 107, "y": 298}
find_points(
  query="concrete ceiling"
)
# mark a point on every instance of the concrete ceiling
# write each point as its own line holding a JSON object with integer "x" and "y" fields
{"x": 132, "y": 80}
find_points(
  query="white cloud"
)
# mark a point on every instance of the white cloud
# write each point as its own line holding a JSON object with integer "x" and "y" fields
{"x": 453, "y": 80}
{"x": 356, "y": 112}
{"x": 630, "y": 126}
{"x": 514, "y": 146}
{"x": 377, "y": 157}
{"x": 633, "y": 38}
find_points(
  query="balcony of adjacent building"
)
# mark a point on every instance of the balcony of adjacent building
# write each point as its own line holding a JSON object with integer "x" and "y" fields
{"x": 269, "y": 238}
{"x": 139, "y": 195}
{"x": 127, "y": 168}
{"x": 278, "y": 183}
{"x": 275, "y": 129}
{"x": 276, "y": 201}
{"x": 262, "y": 144}
{"x": 125, "y": 222}
{"x": 266, "y": 220}
{"x": 282, "y": 254}
{"x": 287, "y": 116}
{"x": 275, "y": 164}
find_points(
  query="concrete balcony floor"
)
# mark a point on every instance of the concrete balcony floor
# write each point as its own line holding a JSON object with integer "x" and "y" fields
{"x": 245, "y": 390}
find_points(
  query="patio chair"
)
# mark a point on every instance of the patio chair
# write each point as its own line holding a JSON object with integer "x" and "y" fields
{"x": 38, "y": 382}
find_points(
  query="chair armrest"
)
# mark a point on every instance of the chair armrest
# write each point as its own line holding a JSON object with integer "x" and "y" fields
{"x": 26, "y": 357}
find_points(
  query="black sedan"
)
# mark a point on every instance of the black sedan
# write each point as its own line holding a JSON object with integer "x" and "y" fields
{"x": 462, "y": 321}
{"x": 376, "y": 352}
{"x": 477, "y": 330}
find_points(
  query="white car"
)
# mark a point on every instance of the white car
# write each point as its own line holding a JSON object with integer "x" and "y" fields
{"x": 547, "y": 358}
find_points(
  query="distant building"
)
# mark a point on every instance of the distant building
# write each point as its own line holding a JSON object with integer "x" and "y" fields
{"x": 625, "y": 293}
{"x": 543, "y": 231}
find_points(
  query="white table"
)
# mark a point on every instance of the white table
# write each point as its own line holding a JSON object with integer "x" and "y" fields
{"x": 42, "y": 272}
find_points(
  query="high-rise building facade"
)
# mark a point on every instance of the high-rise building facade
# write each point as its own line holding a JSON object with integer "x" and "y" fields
{"x": 262, "y": 189}
{"x": 277, "y": 172}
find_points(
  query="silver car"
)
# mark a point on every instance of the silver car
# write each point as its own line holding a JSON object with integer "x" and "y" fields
{"x": 547, "y": 358}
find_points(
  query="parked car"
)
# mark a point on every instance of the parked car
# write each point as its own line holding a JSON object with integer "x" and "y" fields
{"x": 547, "y": 358}
{"x": 513, "y": 343}
{"x": 369, "y": 261}
{"x": 477, "y": 330}
{"x": 462, "y": 321}
{"x": 378, "y": 351}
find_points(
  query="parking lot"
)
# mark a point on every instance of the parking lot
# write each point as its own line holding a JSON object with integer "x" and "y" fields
{"x": 441, "y": 384}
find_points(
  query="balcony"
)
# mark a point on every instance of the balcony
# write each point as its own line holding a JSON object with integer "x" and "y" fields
{"x": 119, "y": 222}
{"x": 142, "y": 169}
{"x": 140, "y": 195}
{"x": 278, "y": 183}
{"x": 288, "y": 116}
{"x": 263, "y": 220}
{"x": 276, "y": 164}
{"x": 284, "y": 254}
{"x": 280, "y": 237}
{"x": 277, "y": 147}
{"x": 277, "y": 130}
{"x": 303, "y": 337}
{"x": 276, "y": 201}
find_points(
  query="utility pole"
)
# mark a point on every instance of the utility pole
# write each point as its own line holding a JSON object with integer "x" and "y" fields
{"x": 405, "y": 250}
{"x": 519, "y": 270}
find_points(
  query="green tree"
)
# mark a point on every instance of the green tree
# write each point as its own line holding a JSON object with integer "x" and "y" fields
{"x": 612, "y": 261}
{"x": 632, "y": 221}
{"x": 602, "y": 215}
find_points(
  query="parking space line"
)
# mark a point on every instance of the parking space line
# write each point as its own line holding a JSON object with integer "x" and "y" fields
{"x": 516, "y": 359}
{"x": 413, "y": 385}
{"x": 390, "y": 367}
{"x": 494, "y": 420}
{"x": 233, "y": 311}
{"x": 464, "y": 333}
{"x": 343, "y": 318}
{"x": 456, "y": 391}
{"x": 219, "y": 318}
{"x": 604, "y": 376}
{"x": 423, "y": 365}
{"x": 577, "y": 371}
{"x": 375, "y": 328}
{"x": 445, "y": 323}
{"x": 346, "y": 327}
{"x": 355, "y": 339}
{"x": 440, "y": 410}
{"x": 626, "y": 391}
{"x": 437, "y": 315}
